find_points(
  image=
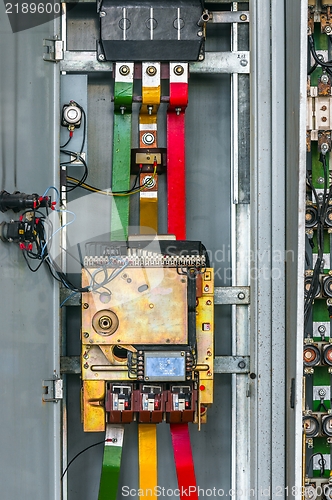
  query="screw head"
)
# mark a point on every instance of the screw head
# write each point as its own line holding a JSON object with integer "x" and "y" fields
{"x": 151, "y": 70}
{"x": 322, "y": 392}
{"x": 328, "y": 29}
{"x": 102, "y": 13}
{"x": 86, "y": 335}
{"x": 243, "y": 62}
{"x": 124, "y": 70}
{"x": 243, "y": 17}
{"x": 101, "y": 57}
{"x": 324, "y": 78}
{"x": 241, "y": 295}
{"x": 178, "y": 70}
{"x": 241, "y": 364}
{"x": 199, "y": 33}
{"x": 320, "y": 180}
{"x": 85, "y": 305}
{"x": 201, "y": 57}
{"x": 86, "y": 365}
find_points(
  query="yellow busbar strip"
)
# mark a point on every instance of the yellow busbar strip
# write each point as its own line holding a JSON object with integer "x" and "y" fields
{"x": 147, "y": 459}
{"x": 148, "y": 139}
{"x": 93, "y": 411}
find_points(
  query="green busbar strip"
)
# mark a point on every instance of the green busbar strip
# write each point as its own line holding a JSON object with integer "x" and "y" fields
{"x": 321, "y": 43}
{"x": 123, "y": 95}
{"x": 110, "y": 473}
{"x": 320, "y": 446}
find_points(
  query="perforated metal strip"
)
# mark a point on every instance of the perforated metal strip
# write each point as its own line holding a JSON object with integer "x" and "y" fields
{"x": 123, "y": 96}
{"x": 148, "y": 139}
{"x": 176, "y": 173}
{"x": 111, "y": 462}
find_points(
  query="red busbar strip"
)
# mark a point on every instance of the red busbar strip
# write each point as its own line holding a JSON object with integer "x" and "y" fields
{"x": 184, "y": 463}
{"x": 176, "y": 173}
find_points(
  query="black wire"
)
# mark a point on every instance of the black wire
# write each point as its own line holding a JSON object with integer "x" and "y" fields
{"x": 323, "y": 64}
{"x": 79, "y": 184}
{"x": 80, "y": 453}
{"x": 70, "y": 138}
{"x": 312, "y": 69}
{"x": 322, "y": 464}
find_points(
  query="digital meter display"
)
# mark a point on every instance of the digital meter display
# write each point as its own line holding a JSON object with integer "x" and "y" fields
{"x": 164, "y": 366}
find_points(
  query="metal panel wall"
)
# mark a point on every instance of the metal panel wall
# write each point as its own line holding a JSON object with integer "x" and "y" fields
{"x": 29, "y": 335}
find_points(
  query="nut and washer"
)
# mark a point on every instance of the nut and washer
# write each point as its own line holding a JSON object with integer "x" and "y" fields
{"x": 243, "y": 62}
{"x": 324, "y": 78}
{"x": 243, "y": 17}
{"x": 178, "y": 69}
{"x": 322, "y": 329}
{"x": 148, "y": 138}
{"x": 151, "y": 70}
{"x": 124, "y": 70}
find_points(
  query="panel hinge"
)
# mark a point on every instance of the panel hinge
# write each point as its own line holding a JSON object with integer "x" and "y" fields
{"x": 52, "y": 390}
{"x": 54, "y": 50}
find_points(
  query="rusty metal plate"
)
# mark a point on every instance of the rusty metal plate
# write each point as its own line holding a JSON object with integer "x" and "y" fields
{"x": 97, "y": 364}
{"x": 139, "y": 306}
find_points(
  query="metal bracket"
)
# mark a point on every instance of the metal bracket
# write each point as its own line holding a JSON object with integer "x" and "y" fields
{"x": 54, "y": 50}
{"x": 52, "y": 390}
{"x": 65, "y": 296}
{"x": 234, "y": 295}
{"x": 70, "y": 365}
{"x": 231, "y": 364}
{"x": 229, "y": 17}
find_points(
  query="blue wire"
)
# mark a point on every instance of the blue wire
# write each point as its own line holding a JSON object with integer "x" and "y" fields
{"x": 55, "y": 189}
{"x": 69, "y": 297}
{"x": 59, "y": 228}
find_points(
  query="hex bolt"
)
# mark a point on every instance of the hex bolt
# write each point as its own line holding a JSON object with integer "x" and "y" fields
{"x": 206, "y": 288}
{"x": 85, "y": 355}
{"x": 102, "y": 13}
{"x": 208, "y": 302}
{"x": 101, "y": 57}
{"x": 241, "y": 295}
{"x": 86, "y": 335}
{"x": 323, "y": 108}
{"x": 124, "y": 70}
{"x": 243, "y": 62}
{"x": 178, "y": 70}
{"x": 150, "y": 108}
{"x": 241, "y": 364}
{"x": 324, "y": 119}
{"x": 85, "y": 305}
{"x": 322, "y": 329}
{"x": 151, "y": 70}
{"x": 243, "y": 17}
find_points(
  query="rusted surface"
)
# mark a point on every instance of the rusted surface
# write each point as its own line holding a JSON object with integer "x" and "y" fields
{"x": 324, "y": 89}
{"x": 326, "y": 19}
{"x": 308, "y": 141}
{"x": 324, "y": 138}
{"x": 311, "y": 23}
{"x": 150, "y": 304}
